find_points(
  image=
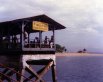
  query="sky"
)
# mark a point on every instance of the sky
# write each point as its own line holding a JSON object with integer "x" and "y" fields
{"x": 82, "y": 19}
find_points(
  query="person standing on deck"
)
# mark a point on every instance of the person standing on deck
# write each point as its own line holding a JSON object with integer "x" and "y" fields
{"x": 52, "y": 42}
{"x": 26, "y": 37}
{"x": 46, "y": 41}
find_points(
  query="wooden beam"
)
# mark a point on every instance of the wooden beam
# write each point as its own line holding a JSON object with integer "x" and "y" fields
{"x": 30, "y": 70}
{"x": 7, "y": 77}
{"x": 47, "y": 67}
{"x": 39, "y": 62}
{"x": 4, "y": 72}
{"x": 20, "y": 75}
{"x": 10, "y": 73}
{"x": 29, "y": 78}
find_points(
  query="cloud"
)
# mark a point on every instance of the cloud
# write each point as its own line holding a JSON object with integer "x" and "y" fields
{"x": 83, "y": 18}
{"x": 2, "y": 9}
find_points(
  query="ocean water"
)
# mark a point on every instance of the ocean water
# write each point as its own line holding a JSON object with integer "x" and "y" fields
{"x": 79, "y": 69}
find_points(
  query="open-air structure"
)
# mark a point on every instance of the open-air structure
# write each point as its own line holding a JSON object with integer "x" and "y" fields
{"x": 22, "y": 44}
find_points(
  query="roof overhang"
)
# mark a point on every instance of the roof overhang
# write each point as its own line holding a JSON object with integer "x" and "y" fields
{"x": 16, "y": 24}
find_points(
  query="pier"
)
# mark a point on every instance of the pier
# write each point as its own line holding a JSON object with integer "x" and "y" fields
{"x": 19, "y": 52}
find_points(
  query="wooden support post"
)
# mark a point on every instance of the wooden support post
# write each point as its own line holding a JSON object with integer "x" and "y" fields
{"x": 29, "y": 40}
{"x": 22, "y": 35}
{"x": 18, "y": 76}
{"x": 40, "y": 38}
{"x": 7, "y": 73}
{"x": 22, "y": 73}
{"x": 54, "y": 38}
{"x": 54, "y": 77}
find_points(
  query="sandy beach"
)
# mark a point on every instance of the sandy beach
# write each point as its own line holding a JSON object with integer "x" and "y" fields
{"x": 77, "y": 54}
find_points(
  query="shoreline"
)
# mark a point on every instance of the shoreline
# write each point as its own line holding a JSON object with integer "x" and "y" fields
{"x": 76, "y": 54}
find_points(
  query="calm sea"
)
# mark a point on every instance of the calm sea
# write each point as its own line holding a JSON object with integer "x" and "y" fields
{"x": 79, "y": 69}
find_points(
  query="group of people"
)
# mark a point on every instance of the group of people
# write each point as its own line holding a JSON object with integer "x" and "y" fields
{"x": 46, "y": 43}
{"x": 8, "y": 42}
{"x": 49, "y": 42}
{"x": 12, "y": 41}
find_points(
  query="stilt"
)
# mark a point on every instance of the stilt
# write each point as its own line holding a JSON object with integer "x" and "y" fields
{"x": 22, "y": 73}
{"x": 37, "y": 76}
{"x": 29, "y": 78}
{"x": 54, "y": 77}
{"x": 18, "y": 75}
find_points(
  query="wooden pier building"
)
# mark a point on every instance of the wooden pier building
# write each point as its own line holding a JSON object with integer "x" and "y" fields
{"x": 19, "y": 52}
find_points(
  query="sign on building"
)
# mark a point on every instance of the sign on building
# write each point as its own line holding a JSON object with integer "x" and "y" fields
{"x": 37, "y": 25}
